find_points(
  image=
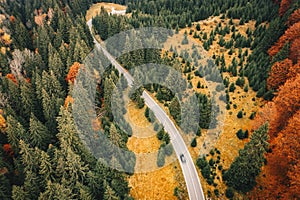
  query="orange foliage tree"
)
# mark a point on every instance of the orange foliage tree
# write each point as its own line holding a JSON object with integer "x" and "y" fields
{"x": 68, "y": 100}
{"x": 288, "y": 101}
{"x": 286, "y": 151}
{"x": 267, "y": 114}
{"x": 293, "y": 18}
{"x": 290, "y": 35}
{"x": 279, "y": 73}
{"x": 73, "y": 72}
{"x": 294, "y": 71}
{"x": 2, "y": 122}
{"x": 12, "y": 78}
{"x": 281, "y": 180}
{"x": 295, "y": 51}
{"x": 284, "y": 6}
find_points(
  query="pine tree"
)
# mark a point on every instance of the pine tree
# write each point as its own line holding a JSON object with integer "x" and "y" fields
{"x": 55, "y": 64}
{"x": 14, "y": 131}
{"x": 244, "y": 169}
{"x": 39, "y": 134}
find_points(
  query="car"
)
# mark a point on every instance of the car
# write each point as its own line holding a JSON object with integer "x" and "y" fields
{"x": 182, "y": 158}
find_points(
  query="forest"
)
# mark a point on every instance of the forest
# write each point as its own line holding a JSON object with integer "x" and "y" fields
{"x": 43, "y": 46}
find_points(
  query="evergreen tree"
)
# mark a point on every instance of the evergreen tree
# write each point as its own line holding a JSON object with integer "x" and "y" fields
{"x": 244, "y": 169}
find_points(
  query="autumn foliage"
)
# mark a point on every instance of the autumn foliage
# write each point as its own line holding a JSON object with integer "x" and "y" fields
{"x": 68, "y": 100}
{"x": 291, "y": 34}
{"x": 2, "y": 122}
{"x": 282, "y": 173}
{"x": 295, "y": 50}
{"x": 293, "y": 18}
{"x": 279, "y": 73}
{"x": 8, "y": 150}
{"x": 284, "y": 6}
{"x": 73, "y": 72}
{"x": 12, "y": 78}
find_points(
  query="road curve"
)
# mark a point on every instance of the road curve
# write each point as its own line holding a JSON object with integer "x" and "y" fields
{"x": 188, "y": 168}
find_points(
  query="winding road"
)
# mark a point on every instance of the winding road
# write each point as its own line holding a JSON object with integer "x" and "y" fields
{"x": 188, "y": 168}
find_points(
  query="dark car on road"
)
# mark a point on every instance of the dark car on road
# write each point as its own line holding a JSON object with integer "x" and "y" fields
{"x": 182, "y": 158}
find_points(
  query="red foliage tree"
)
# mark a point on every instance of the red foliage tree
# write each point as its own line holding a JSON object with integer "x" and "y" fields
{"x": 293, "y": 18}
{"x": 279, "y": 73}
{"x": 295, "y": 51}
{"x": 290, "y": 35}
{"x": 12, "y": 19}
{"x": 73, "y": 72}
{"x": 8, "y": 150}
{"x": 284, "y": 6}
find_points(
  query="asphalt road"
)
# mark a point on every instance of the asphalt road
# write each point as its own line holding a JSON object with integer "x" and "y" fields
{"x": 188, "y": 168}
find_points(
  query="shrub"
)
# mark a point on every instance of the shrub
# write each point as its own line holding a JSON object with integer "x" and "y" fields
{"x": 160, "y": 134}
{"x": 169, "y": 149}
{"x": 194, "y": 143}
{"x": 212, "y": 152}
{"x": 201, "y": 162}
{"x": 252, "y": 116}
{"x": 156, "y": 127}
{"x": 160, "y": 158}
{"x": 166, "y": 138}
{"x": 240, "y": 114}
{"x": 198, "y": 133}
{"x": 216, "y": 191}
{"x": 240, "y": 134}
{"x": 229, "y": 193}
{"x": 231, "y": 87}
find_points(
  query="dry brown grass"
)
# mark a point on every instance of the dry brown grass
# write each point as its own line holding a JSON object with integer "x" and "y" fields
{"x": 96, "y": 8}
{"x": 154, "y": 183}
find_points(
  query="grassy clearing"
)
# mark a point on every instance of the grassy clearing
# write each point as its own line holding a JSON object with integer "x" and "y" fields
{"x": 96, "y": 8}
{"x": 227, "y": 143}
{"x": 156, "y": 183}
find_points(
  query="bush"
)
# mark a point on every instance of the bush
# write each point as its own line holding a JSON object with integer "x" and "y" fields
{"x": 211, "y": 162}
{"x": 240, "y": 134}
{"x": 147, "y": 113}
{"x": 231, "y": 87}
{"x": 229, "y": 193}
{"x": 240, "y": 114}
{"x": 252, "y": 116}
{"x": 216, "y": 191}
{"x": 141, "y": 103}
{"x": 160, "y": 134}
{"x": 246, "y": 88}
{"x": 166, "y": 138}
{"x": 169, "y": 149}
{"x": 160, "y": 158}
{"x": 194, "y": 143}
{"x": 156, "y": 127}
{"x": 198, "y": 133}
{"x": 201, "y": 162}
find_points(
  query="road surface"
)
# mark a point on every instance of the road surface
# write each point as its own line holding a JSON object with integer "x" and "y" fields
{"x": 188, "y": 168}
